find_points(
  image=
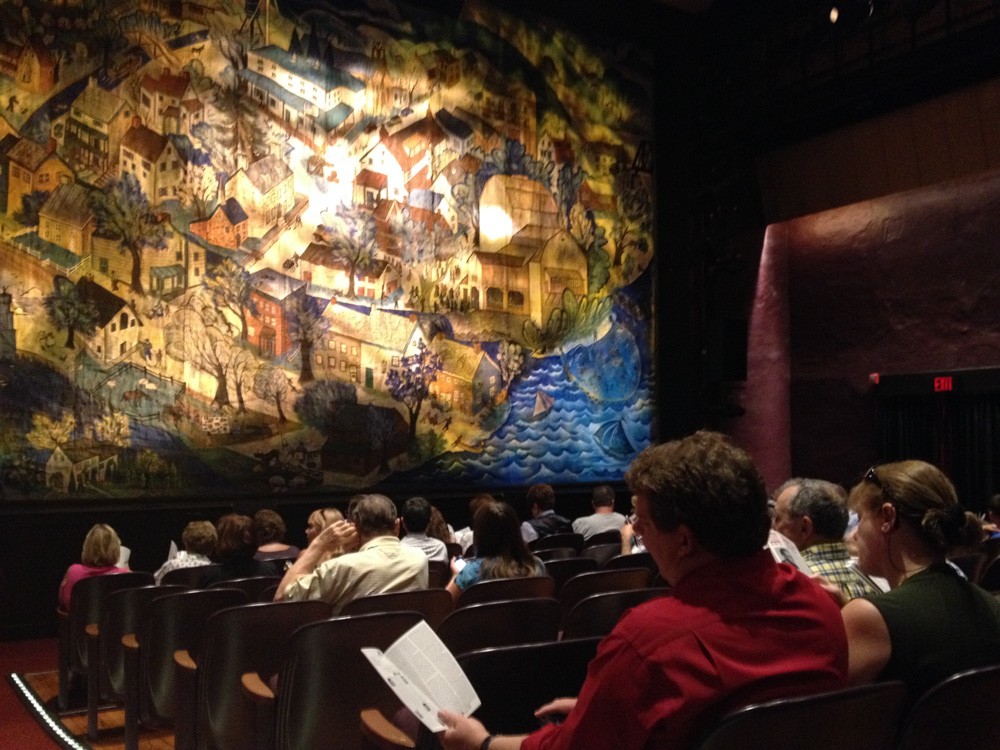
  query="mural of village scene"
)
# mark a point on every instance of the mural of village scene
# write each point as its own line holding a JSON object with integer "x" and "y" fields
{"x": 275, "y": 248}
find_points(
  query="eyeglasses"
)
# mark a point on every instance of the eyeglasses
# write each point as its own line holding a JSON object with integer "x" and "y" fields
{"x": 871, "y": 476}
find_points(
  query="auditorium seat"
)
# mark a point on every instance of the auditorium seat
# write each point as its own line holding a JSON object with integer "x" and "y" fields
{"x": 253, "y": 586}
{"x": 959, "y": 712}
{"x": 121, "y": 611}
{"x": 555, "y": 553}
{"x": 585, "y": 584}
{"x": 323, "y": 683}
{"x": 438, "y": 574}
{"x": 210, "y": 710}
{"x": 174, "y": 622}
{"x": 605, "y": 537}
{"x": 506, "y": 622}
{"x": 632, "y": 560}
{"x": 601, "y": 552}
{"x": 564, "y": 539}
{"x": 85, "y": 607}
{"x": 597, "y": 614}
{"x": 186, "y": 576}
{"x": 494, "y": 589}
{"x": 433, "y": 604}
{"x": 562, "y": 570}
{"x": 862, "y": 717}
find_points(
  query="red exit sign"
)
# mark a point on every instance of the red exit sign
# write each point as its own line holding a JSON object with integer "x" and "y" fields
{"x": 943, "y": 384}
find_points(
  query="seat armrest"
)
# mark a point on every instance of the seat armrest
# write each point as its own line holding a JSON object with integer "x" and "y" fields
{"x": 382, "y": 733}
{"x": 185, "y": 701}
{"x": 130, "y": 644}
{"x": 129, "y": 641}
{"x": 255, "y": 688}
{"x": 183, "y": 660}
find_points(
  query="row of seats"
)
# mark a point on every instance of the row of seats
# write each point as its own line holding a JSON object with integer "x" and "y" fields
{"x": 133, "y": 630}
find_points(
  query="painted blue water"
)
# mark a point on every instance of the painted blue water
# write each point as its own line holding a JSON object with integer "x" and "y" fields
{"x": 559, "y": 447}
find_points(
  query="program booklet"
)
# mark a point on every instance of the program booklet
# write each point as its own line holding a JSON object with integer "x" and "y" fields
{"x": 424, "y": 675}
{"x": 784, "y": 550}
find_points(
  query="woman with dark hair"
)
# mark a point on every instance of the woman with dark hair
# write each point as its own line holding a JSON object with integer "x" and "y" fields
{"x": 502, "y": 552}
{"x": 269, "y": 529}
{"x": 932, "y": 622}
{"x": 234, "y": 551}
{"x": 101, "y": 550}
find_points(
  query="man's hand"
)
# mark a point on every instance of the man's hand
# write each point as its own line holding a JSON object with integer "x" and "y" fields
{"x": 462, "y": 732}
{"x": 556, "y": 710}
{"x": 339, "y": 536}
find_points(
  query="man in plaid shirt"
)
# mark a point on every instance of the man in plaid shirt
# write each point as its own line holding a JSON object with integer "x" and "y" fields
{"x": 813, "y": 514}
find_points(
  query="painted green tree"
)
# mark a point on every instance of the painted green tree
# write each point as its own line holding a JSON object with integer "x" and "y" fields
{"x": 68, "y": 309}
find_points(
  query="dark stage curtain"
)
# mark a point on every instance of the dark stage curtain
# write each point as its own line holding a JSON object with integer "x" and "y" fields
{"x": 956, "y": 432}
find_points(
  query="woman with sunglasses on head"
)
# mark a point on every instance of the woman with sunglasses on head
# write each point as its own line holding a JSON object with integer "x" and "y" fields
{"x": 932, "y": 622}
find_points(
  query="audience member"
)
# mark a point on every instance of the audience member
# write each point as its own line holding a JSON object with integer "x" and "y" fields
{"x": 737, "y": 629}
{"x": 375, "y": 561}
{"x": 463, "y": 537}
{"x": 544, "y": 520}
{"x": 269, "y": 530}
{"x": 500, "y": 549}
{"x": 235, "y": 552}
{"x": 932, "y": 622}
{"x": 199, "y": 539}
{"x": 416, "y": 517}
{"x": 604, "y": 518}
{"x": 439, "y": 528}
{"x": 992, "y": 523}
{"x": 101, "y": 550}
{"x": 631, "y": 542}
{"x": 813, "y": 514}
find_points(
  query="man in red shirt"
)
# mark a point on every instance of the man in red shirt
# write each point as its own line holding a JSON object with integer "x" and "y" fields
{"x": 739, "y": 628}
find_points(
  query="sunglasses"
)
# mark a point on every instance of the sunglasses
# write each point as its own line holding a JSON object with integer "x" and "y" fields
{"x": 873, "y": 477}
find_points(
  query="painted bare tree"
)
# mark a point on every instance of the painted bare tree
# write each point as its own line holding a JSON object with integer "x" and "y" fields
{"x": 351, "y": 235}
{"x": 198, "y": 333}
{"x": 271, "y": 384}
{"x": 229, "y": 285}
{"x": 306, "y": 327}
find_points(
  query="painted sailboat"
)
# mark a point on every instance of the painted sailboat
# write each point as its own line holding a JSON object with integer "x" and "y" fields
{"x": 613, "y": 440}
{"x": 543, "y": 404}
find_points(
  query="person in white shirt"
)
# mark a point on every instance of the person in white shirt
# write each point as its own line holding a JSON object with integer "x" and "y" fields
{"x": 604, "y": 517}
{"x": 375, "y": 561}
{"x": 416, "y": 517}
{"x": 199, "y": 539}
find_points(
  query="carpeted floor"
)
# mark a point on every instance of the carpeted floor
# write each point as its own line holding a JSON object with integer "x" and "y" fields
{"x": 28, "y": 705}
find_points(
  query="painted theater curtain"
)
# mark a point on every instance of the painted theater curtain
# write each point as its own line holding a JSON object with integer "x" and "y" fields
{"x": 250, "y": 248}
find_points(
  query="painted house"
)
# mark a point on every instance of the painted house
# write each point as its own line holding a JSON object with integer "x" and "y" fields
{"x": 155, "y": 163}
{"x": 95, "y": 125}
{"x": 458, "y": 132}
{"x": 411, "y": 151}
{"x": 31, "y": 65}
{"x": 528, "y": 275}
{"x": 65, "y": 219}
{"x": 169, "y": 104}
{"x": 361, "y": 346}
{"x": 273, "y": 293}
{"x": 469, "y": 379}
{"x": 307, "y": 96}
{"x": 321, "y": 266}
{"x": 72, "y": 466}
{"x": 119, "y": 329}
{"x": 166, "y": 272}
{"x": 265, "y": 190}
{"x": 34, "y": 167}
{"x": 455, "y": 173}
{"x": 227, "y": 227}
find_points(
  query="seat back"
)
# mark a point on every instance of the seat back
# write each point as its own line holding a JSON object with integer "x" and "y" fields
{"x": 433, "y": 604}
{"x": 555, "y": 553}
{"x": 513, "y": 681}
{"x": 605, "y": 537}
{"x": 174, "y": 622}
{"x": 325, "y": 680}
{"x": 253, "y": 586}
{"x": 562, "y": 570}
{"x": 438, "y": 574}
{"x": 562, "y": 539}
{"x": 597, "y": 614}
{"x": 958, "y": 712}
{"x": 249, "y": 638}
{"x": 186, "y": 576}
{"x": 601, "y": 552}
{"x": 633, "y": 560}
{"x": 86, "y": 607}
{"x": 494, "y": 589}
{"x": 599, "y": 581}
{"x": 863, "y": 717}
{"x": 123, "y": 611}
{"x": 501, "y": 623}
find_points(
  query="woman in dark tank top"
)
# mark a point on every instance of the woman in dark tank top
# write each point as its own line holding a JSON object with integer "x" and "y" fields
{"x": 932, "y": 622}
